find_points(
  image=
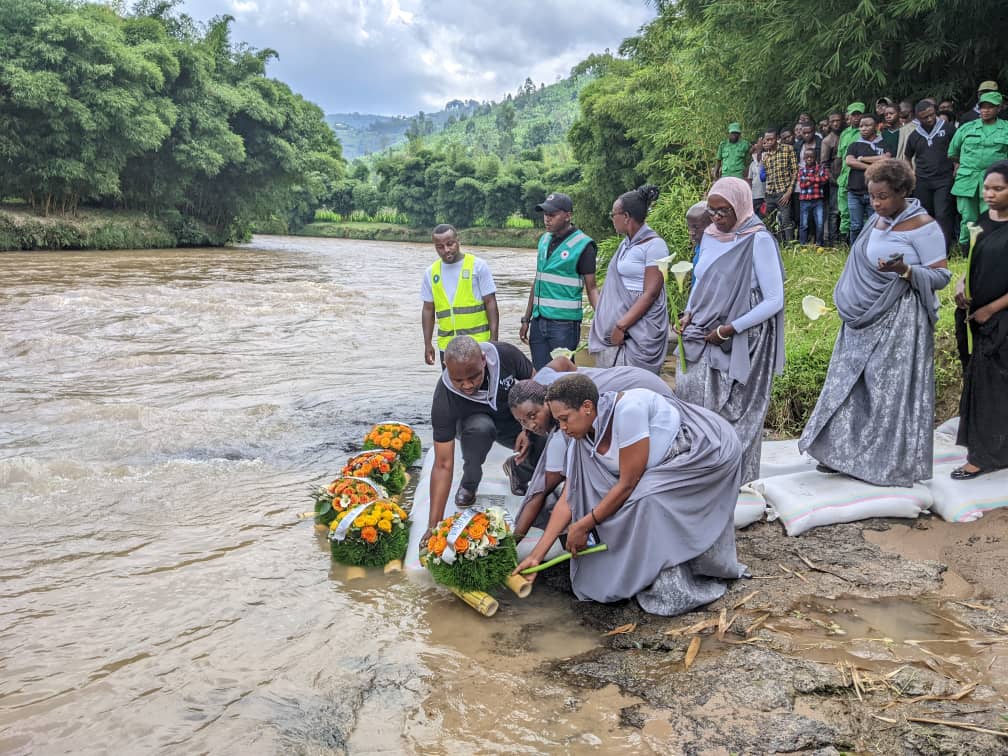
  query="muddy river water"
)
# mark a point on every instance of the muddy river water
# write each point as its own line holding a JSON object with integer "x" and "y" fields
{"x": 164, "y": 416}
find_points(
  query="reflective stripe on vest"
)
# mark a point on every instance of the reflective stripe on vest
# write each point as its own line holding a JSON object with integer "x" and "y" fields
{"x": 464, "y": 315}
{"x": 557, "y": 288}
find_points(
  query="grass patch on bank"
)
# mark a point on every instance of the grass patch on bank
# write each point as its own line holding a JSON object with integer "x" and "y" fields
{"x": 23, "y": 230}
{"x": 478, "y": 236}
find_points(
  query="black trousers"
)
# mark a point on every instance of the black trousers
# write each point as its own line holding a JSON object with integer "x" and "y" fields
{"x": 936, "y": 197}
{"x": 477, "y": 434}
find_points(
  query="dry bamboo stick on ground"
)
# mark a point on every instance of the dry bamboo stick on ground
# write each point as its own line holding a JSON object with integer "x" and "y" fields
{"x": 959, "y": 725}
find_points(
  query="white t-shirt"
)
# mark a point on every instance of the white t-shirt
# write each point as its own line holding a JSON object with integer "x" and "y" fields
{"x": 631, "y": 265}
{"x": 482, "y": 285}
{"x": 641, "y": 413}
{"x": 556, "y": 452}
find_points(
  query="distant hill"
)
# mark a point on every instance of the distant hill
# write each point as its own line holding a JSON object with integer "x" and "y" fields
{"x": 364, "y": 133}
{"x": 533, "y": 117}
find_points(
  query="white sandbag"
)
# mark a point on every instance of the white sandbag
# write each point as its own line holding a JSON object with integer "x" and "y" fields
{"x": 807, "y": 500}
{"x": 948, "y": 430}
{"x": 966, "y": 500}
{"x": 946, "y": 453}
{"x": 494, "y": 490}
{"x": 783, "y": 458}
{"x": 750, "y": 507}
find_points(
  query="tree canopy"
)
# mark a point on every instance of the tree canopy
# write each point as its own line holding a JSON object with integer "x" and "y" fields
{"x": 149, "y": 110}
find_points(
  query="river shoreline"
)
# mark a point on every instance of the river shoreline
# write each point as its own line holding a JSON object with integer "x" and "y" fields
{"x": 522, "y": 238}
{"x": 896, "y": 621}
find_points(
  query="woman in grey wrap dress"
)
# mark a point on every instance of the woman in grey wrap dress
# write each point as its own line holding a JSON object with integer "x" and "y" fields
{"x": 875, "y": 416}
{"x": 527, "y": 400}
{"x": 631, "y": 322}
{"x": 656, "y": 480}
{"x": 733, "y": 327}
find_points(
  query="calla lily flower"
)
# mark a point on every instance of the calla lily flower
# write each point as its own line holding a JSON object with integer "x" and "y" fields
{"x": 679, "y": 270}
{"x": 568, "y": 353}
{"x": 813, "y": 307}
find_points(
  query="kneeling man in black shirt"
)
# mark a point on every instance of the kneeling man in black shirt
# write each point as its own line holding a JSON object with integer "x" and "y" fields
{"x": 471, "y": 404}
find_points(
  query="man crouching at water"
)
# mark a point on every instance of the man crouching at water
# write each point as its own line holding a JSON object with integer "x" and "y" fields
{"x": 471, "y": 404}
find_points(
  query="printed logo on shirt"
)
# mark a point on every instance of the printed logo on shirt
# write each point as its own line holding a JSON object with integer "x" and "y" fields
{"x": 465, "y": 274}
{"x": 436, "y": 278}
{"x": 507, "y": 382}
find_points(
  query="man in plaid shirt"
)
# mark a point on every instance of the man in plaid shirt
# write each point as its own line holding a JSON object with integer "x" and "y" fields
{"x": 812, "y": 178}
{"x": 781, "y": 172}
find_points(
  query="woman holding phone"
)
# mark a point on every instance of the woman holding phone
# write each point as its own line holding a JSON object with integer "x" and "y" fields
{"x": 875, "y": 416}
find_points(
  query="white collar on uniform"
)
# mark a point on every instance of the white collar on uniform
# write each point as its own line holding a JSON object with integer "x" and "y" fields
{"x": 488, "y": 395}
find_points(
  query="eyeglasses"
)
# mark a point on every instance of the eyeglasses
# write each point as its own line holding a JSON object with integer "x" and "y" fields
{"x": 721, "y": 212}
{"x": 621, "y": 212}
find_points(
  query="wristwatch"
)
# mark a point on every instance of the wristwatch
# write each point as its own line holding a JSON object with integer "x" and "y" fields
{"x": 526, "y": 320}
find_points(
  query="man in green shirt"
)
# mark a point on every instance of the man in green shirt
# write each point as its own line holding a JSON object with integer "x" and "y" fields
{"x": 975, "y": 146}
{"x": 850, "y": 135}
{"x": 732, "y": 154}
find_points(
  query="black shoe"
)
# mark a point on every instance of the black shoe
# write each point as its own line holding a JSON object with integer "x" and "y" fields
{"x": 464, "y": 498}
{"x": 826, "y": 469}
{"x": 961, "y": 473}
{"x": 511, "y": 470}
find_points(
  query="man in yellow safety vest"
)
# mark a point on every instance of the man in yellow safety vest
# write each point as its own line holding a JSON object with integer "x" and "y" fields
{"x": 458, "y": 293}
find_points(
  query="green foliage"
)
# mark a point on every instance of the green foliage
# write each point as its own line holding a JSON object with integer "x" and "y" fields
{"x": 771, "y": 67}
{"x": 354, "y": 550}
{"x": 149, "y": 112}
{"x": 22, "y": 229}
{"x": 482, "y": 574}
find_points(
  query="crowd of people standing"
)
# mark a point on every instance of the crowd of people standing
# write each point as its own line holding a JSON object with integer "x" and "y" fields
{"x": 654, "y": 472}
{"x": 812, "y": 175}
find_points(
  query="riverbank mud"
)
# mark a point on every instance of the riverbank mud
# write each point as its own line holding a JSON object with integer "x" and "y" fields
{"x": 847, "y": 639}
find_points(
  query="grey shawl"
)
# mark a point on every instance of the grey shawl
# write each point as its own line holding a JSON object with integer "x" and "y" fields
{"x": 646, "y": 340}
{"x": 743, "y": 405}
{"x": 875, "y": 415}
{"x": 678, "y": 510}
{"x": 863, "y": 293}
{"x": 608, "y": 379}
{"x": 721, "y": 296}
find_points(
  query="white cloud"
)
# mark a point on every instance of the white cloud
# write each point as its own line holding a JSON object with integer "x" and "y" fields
{"x": 399, "y": 56}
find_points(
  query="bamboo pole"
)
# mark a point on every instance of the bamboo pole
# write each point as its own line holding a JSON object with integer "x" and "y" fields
{"x": 354, "y": 572}
{"x": 482, "y": 602}
{"x": 518, "y": 585}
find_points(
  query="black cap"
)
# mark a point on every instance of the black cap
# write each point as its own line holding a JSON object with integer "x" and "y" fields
{"x": 555, "y": 203}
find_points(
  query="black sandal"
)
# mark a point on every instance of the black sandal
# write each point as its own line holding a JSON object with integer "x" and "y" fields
{"x": 961, "y": 473}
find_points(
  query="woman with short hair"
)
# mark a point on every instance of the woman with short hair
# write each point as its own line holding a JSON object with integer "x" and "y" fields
{"x": 527, "y": 400}
{"x": 631, "y": 323}
{"x": 656, "y": 480}
{"x": 875, "y": 416}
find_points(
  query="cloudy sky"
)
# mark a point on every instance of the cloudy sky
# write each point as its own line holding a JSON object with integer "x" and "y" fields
{"x": 400, "y": 56}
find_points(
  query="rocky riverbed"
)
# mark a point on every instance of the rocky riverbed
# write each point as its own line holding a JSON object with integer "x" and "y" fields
{"x": 843, "y": 641}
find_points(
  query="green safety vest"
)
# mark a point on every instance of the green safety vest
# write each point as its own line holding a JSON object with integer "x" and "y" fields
{"x": 557, "y": 288}
{"x": 463, "y": 316}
